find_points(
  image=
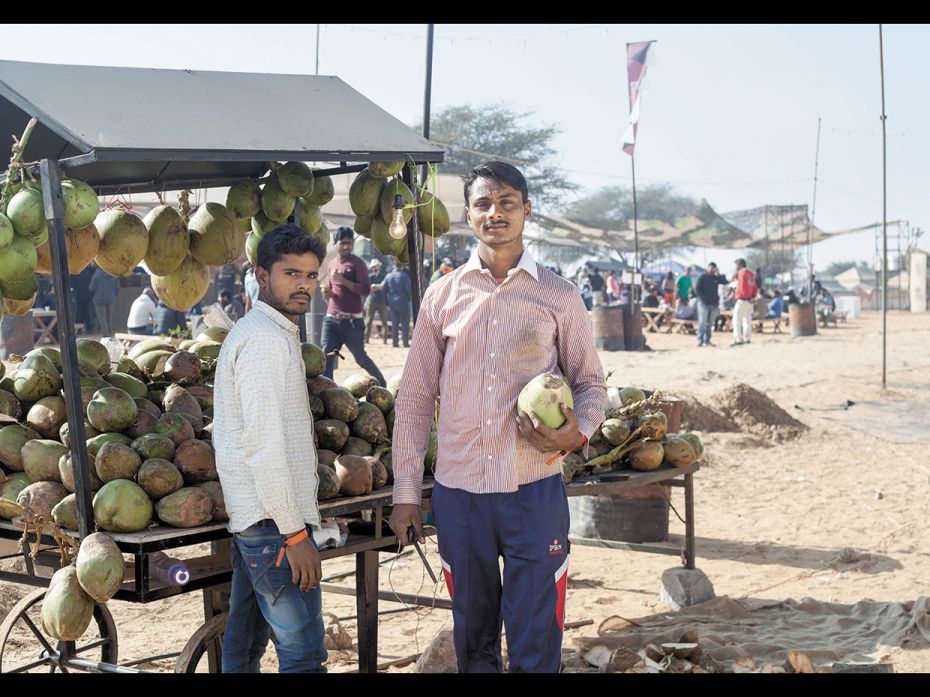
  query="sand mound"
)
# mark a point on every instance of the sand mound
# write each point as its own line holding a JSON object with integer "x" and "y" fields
{"x": 698, "y": 417}
{"x": 756, "y": 413}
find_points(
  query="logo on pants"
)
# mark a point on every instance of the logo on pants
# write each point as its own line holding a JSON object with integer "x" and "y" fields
{"x": 555, "y": 547}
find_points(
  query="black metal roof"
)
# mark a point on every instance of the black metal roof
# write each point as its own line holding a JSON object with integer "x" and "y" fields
{"x": 152, "y": 128}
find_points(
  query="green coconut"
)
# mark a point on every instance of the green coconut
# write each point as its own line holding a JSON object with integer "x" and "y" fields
{"x": 631, "y": 395}
{"x": 331, "y": 433}
{"x": 66, "y": 470}
{"x": 65, "y": 512}
{"x": 323, "y": 189}
{"x": 319, "y": 383}
{"x": 295, "y": 178}
{"x": 64, "y": 433}
{"x": 213, "y": 334}
{"x": 169, "y": 240}
{"x": 381, "y": 397}
{"x": 17, "y": 308}
{"x": 391, "y": 189}
{"x": 175, "y": 427}
{"x": 196, "y": 461}
{"x": 432, "y": 451}
{"x": 262, "y": 225}
{"x": 95, "y": 443}
{"x": 251, "y": 248}
{"x": 206, "y": 349}
{"x": 36, "y": 377}
{"x": 326, "y": 457}
{"x": 678, "y": 451}
{"x": 542, "y": 396}
{"x": 111, "y": 409}
{"x": 19, "y": 290}
{"x": 127, "y": 366}
{"x": 26, "y": 211}
{"x": 183, "y": 368}
{"x": 277, "y": 204}
{"x": 216, "y": 238}
{"x": 382, "y": 240}
{"x": 159, "y": 477}
{"x": 40, "y": 459}
{"x": 100, "y": 566}
{"x": 47, "y": 415}
{"x": 117, "y": 461}
{"x": 124, "y": 241}
{"x": 329, "y": 482}
{"x": 83, "y": 244}
{"x": 186, "y": 508}
{"x": 202, "y": 393}
{"x": 143, "y": 425}
{"x": 186, "y": 286}
{"x": 80, "y": 202}
{"x": 359, "y": 384}
{"x": 53, "y": 354}
{"x": 357, "y": 446}
{"x": 147, "y": 345}
{"x": 122, "y": 506}
{"x": 381, "y": 170}
{"x": 310, "y": 217}
{"x": 10, "y": 489}
{"x": 314, "y": 359}
{"x": 339, "y": 403}
{"x": 17, "y": 262}
{"x": 215, "y": 492}
{"x": 647, "y": 457}
{"x": 696, "y": 444}
{"x": 653, "y": 424}
{"x": 615, "y": 431}
{"x": 9, "y": 405}
{"x": 244, "y": 199}
{"x": 370, "y": 424}
{"x": 152, "y": 363}
{"x": 67, "y": 609}
{"x": 432, "y": 215}
{"x": 6, "y": 232}
{"x": 365, "y": 194}
{"x": 154, "y": 446}
{"x": 363, "y": 226}
{"x": 127, "y": 383}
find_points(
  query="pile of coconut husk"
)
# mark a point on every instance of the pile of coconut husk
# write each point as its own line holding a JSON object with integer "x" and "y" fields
{"x": 743, "y": 409}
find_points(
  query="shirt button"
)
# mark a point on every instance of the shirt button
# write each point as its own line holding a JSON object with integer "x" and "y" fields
{"x": 490, "y": 457}
{"x": 489, "y": 387}
{"x": 494, "y": 322}
{"x": 488, "y": 422}
{"x": 492, "y": 355}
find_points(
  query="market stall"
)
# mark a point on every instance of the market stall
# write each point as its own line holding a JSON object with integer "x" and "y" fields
{"x": 116, "y": 141}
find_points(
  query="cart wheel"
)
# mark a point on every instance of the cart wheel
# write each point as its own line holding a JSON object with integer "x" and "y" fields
{"x": 25, "y": 648}
{"x": 208, "y": 637}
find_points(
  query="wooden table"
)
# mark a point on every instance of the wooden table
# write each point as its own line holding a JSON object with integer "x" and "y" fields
{"x": 652, "y": 316}
{"x": 43, "y": 324}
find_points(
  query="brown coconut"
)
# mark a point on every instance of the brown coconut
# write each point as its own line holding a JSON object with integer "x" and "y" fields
{"x": 117, "y": 461}
{"x": 186, "y": 508}
{"x": 354, "y": 475}
{"x": 66, "y": 470}
{"x": 196, "y": 461}
{"x": 40, "y": 498}
{"x": 332, "y": 434}
{"x": 159, "y": 477}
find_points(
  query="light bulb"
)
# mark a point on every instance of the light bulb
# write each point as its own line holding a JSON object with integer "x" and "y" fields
{"x": 398, "y": 228}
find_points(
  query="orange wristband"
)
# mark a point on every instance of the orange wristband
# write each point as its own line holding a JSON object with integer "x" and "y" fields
{"x": 293, "y": 540}
{"x": 563, "y": 453}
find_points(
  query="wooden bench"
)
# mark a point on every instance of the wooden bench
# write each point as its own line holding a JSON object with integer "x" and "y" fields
{"x": 130, "y": 340}
{"x": 759, "y": 324}
{"x": 832, "y": 317}
{"x": 652, "y": 318}
{"x": 682, "y": 326}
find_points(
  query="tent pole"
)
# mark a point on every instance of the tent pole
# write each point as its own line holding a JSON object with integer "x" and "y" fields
{"x": 636, "y": 262}
{"x": 55, "y": 215}
{"x": 810, "y": 221}
{"x": 881, "y": 59}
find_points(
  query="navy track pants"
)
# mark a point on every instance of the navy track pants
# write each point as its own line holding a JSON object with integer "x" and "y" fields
{"x": 529, "y": 529}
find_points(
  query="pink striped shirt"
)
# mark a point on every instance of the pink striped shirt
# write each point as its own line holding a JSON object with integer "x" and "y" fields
{"x": 475, "y": 345}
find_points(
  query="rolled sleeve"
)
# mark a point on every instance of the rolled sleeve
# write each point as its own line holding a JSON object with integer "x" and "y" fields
{"x": 415, "y": 405}
{"x": 363, "y": 280}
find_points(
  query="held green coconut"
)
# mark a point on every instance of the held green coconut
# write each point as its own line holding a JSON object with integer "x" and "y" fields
{"x": 543, "y": 395}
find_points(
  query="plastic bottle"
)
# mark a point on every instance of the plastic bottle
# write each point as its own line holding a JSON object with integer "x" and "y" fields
{"x": 168, "y": 570}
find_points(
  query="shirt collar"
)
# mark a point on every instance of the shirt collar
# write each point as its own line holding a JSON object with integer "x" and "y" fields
{"x": 277, "y": 317}
{"x": 527, "y": 263}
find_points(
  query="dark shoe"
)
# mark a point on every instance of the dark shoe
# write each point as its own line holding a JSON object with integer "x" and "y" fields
{"x": 396, "y": 346}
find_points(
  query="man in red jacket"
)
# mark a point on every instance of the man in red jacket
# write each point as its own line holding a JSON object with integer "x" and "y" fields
{"x": 746, "y": 292}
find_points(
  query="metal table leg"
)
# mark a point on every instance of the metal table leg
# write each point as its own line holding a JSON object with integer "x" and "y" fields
{"x": 366, "y": 584}
{"x": 689, "y": 520}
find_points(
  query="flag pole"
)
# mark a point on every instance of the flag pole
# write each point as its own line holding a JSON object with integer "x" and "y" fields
{"x": 810, "y": 221}
{"x": 881, "y": 63}
{"x": 635, "y": 223}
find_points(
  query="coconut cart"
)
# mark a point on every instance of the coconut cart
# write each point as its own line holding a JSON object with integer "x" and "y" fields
{"x": 102, "y": 125}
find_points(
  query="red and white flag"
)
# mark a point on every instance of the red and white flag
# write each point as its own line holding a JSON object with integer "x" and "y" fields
{"x": 636, "y": 57}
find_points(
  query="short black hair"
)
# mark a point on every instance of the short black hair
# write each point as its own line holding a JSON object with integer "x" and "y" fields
{"x": 502, "y": 173}
{"x": 226, "y": 293}
{"x": 287, "y": 239}
{"x": 711, "y": 264}
{"x": 343, "y": 232}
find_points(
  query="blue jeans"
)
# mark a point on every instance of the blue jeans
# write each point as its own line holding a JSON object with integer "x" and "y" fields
{"x": 265, "y": 604}
{"x": 706, "y": 316}
{"x": 350, "y": 333}
{"x": 139, "y": 330}
{"x": 400, "y": 324}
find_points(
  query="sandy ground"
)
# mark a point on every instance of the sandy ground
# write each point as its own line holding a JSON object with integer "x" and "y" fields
{"x": 773, "y": 518}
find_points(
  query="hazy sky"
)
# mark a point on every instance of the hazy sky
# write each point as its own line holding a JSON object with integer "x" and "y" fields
{"x": 729, "y": 113}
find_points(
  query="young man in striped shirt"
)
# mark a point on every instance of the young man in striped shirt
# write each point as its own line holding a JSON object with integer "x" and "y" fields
{"x": 483, "y": 332}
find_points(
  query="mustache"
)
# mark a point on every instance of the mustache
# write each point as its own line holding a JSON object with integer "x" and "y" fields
{"x": 301, "y": 295}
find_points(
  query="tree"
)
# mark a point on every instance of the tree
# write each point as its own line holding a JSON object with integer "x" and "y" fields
{"x": 838, "y": 267}
{"x": 611, "y": 208}
{"x": 473, "y": 135}
{"x": 775, "y": 261}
